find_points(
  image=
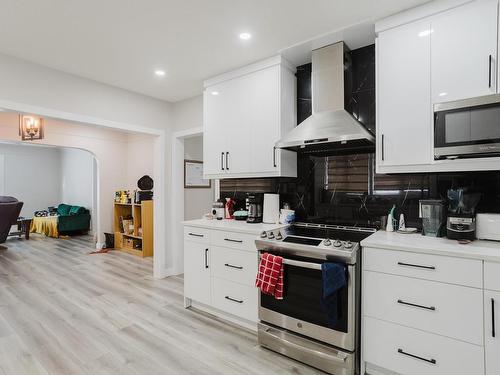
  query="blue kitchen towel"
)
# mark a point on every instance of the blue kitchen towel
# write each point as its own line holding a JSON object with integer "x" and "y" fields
{"x": 334, "y": 278}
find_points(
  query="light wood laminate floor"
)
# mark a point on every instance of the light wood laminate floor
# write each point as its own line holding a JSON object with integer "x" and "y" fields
{"x": 65, "y": 312}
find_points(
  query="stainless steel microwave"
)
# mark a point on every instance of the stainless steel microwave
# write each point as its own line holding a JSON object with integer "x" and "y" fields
{"x": 467, "y": 128}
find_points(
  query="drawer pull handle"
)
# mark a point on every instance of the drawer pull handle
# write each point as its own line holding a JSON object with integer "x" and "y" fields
{"x": 493, "y": 330}
{"x": 196, "y": 235}
{"x": 231, "y": 240}
{"x": 433, "y": 361}
{"x": 416, "y": 266}
{"x": 234, "y": 300}
{"x": 233, "y": 266}
{"x": 432, "y": 308}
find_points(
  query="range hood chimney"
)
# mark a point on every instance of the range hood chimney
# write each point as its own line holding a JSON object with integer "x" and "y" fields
{"x": 330, "y": 129}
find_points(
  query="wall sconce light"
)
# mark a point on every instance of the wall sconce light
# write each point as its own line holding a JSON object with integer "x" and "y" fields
{"x": 30, "y": 127}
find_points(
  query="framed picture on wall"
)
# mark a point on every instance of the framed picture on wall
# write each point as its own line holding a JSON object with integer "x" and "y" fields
{"x": 193, "y": 175}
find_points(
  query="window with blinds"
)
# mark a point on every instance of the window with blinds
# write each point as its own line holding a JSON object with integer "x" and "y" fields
{"x": 356, "y": 174}
{"x": 247, "y": 185}
{"x": 387, "y": 184}
{"x": 348, "y": 173}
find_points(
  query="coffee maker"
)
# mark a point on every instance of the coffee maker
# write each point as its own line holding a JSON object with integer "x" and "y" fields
{"x": 254, "y": 207}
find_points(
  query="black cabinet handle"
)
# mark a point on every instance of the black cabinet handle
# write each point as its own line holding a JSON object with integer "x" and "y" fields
{"x": 222, "y": 161}
{"x": 233, "y": 266}
{"x": 230, "y": 240}
{"x": 227, "y": 160}
{"x": 206, "y": 258}
{"x": 489, "y": 70}
{"x": 196, "y": 235}
{"x": 416, "y": 266}
{"x": 401, "y": 351}
{"x": 274, "y": 157}
{"x": 493, "y": 333}
{"x": 432, "y": 308}
{"x": 234, "y": 300}
{"x": 383, "y": 152}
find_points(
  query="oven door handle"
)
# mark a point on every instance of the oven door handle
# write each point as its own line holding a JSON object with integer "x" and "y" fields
{"x": 301, "y": 264}
{"x": 341, "y": 358}
{"x": 298, "y": 263}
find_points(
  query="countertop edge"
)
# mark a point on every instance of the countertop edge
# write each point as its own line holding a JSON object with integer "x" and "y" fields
{"x": 221, "y": 227}
{"x": 473, "y": 253}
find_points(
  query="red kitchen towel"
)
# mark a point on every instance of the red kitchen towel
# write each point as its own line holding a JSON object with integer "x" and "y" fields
{"x": 270, "y": 275}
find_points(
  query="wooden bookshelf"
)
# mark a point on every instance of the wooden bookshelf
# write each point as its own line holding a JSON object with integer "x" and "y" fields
{"x": 136, "y": 242}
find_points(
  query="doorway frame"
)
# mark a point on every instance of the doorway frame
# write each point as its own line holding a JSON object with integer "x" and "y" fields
{"x": 177, "y": 191}
{"x": 159, "y": 169}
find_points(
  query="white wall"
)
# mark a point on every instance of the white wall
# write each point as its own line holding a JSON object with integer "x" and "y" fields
{"x": 197, "y": 202}
{"x": 188, "y": 113}
{"x": 140, "y": 158}
{"x": 28, "y": 83}
{"x": 77, "y": 180}
{"x": 32, "y": 175}
{"x": 2, "y": 174}
{"x": 77, "y": 177}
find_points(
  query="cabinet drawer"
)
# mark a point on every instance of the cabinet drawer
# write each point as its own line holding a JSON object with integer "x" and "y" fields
{"x": 445, "y": 309}
{"x": 460, "y": 271}
{"x": 234, "y": 240}
{"x": 234, "y": 265}
{"x": 412, "y": 352}
{"x": 492, "y": 276}
{"x": 194, "y": 234}
{"x": 234, "y": 298}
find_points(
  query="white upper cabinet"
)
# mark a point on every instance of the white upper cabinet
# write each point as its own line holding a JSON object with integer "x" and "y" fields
{"x": 403, "y": 96}
{"x": 464, "y": 52}
{"x": 245, "y": 112}
{"x": 431, "y": 54}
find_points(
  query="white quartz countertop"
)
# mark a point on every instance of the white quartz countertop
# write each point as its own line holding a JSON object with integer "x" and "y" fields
{"x": 233, "y": 225}
{"x": 478, "y": 249}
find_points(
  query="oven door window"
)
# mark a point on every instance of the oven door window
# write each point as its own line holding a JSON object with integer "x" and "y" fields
{"x": 302, "y": 298}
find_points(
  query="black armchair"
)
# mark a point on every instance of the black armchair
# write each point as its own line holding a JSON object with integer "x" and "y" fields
{"x": 10, "y": 208}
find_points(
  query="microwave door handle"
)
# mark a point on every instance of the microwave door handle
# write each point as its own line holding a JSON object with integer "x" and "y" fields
{"x": 489, "y": 70}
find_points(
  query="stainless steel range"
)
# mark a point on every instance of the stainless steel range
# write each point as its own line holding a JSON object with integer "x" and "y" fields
{"x": 298, "y": 325}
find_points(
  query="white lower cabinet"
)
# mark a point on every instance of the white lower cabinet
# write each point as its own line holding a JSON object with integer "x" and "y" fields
{"x": 492, "y": 317}
{"x": 234, "y": 298}
{"x": 426, "y": 314}
{"x": 219, "y": 272}
{"x": 409, "y": 351}
{"x": 434, "y": 307}
{"x": 492, "y": 334}
{"x": 197, "y": 266}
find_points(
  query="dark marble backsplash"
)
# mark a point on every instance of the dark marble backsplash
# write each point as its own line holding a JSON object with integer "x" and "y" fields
{"x": 314, "y": 202}
{"x": 326, "y": 193}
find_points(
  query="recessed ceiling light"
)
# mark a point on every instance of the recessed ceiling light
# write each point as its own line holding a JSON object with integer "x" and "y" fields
{"x": 245, "y": 36}
{"x": 160, "y": 73}
{"x": 215, "y": 93}
{"x": 443, "y": 93}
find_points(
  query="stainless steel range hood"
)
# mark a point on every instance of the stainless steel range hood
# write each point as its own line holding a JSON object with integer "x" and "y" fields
{"x": 330, "y": 127}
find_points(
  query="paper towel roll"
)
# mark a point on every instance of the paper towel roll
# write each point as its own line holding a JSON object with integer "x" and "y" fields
{"x": 271, "y": 209}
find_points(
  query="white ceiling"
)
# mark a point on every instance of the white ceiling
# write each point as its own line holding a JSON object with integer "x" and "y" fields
{"x": 122, "y": 42}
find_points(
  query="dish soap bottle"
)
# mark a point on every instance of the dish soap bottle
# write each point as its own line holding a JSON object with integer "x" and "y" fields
{"x": 390, "y": 218}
